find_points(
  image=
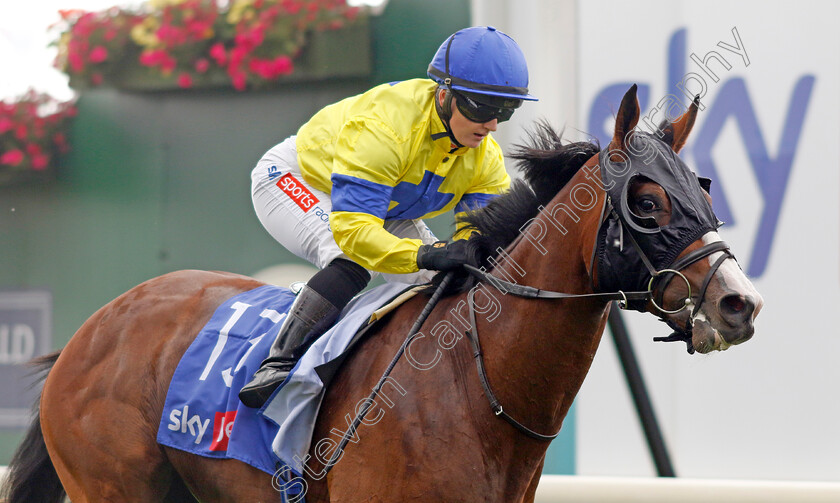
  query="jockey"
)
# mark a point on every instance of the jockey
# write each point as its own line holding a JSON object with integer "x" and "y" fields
{"x": 348, "y": 192}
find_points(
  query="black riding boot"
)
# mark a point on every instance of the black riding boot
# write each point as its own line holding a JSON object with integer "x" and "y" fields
{"x": 309, "y": 317}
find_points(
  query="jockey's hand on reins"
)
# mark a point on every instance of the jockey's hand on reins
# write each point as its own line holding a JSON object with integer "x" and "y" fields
{"x": 443, "y": 256}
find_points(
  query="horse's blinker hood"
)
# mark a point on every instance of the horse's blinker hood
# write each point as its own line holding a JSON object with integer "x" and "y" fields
{"x": 620, "y": 264}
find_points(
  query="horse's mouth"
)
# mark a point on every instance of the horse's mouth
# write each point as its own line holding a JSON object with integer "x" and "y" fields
{"x": 707, "y": 338}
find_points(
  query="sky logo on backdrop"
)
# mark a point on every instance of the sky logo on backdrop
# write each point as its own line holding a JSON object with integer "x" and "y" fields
{"x": 771, "y": 170}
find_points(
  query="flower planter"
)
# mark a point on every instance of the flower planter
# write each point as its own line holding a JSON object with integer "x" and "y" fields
{"x": 330, "y": 54}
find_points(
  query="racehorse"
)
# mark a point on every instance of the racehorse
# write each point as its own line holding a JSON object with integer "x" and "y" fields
{"x": 432, "y": 436}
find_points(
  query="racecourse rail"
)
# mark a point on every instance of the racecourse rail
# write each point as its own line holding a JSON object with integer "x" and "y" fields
{"x": 581, "y": 489}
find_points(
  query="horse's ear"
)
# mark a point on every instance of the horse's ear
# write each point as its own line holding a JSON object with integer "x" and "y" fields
{"x": 676, "y": 133}
{"x": 628, "y": 117}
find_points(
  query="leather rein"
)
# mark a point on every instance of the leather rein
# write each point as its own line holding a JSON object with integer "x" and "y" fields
{"x": 658, "y": 278}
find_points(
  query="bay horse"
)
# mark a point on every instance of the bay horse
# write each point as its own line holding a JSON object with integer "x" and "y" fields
{"x": 435, "y": 439}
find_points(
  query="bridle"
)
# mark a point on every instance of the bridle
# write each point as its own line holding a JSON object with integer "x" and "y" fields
{"x": 659, "y": 280}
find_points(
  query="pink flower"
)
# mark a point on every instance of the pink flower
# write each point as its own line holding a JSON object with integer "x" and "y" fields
{"x": 40, "y": 162}
{"x": 77, "y": 64}
{"x": 5, "y": 124}
{"x": 168, "y": 64}
{"x": 217, "y": 52}
{"x": 352, "y": 13}
{"x": 21, "y": 132}
{"x": 239, "y": 80}
{"x": 11, "y": 158}
{"x": 33, "y": 149}
{"x": 237, "y": 56}
{"x": 152, "y": 58}
{"x": 98, "y": 54}
{"x": 61, "y": 142}
{"x": 185, "y": 80}
{"x": 291, "y": 6}
{"x": 202, "y": 65}
{"x": 283, "y": 65}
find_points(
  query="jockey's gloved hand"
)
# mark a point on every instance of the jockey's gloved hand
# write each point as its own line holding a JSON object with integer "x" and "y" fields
{"x": 443, "y": 256}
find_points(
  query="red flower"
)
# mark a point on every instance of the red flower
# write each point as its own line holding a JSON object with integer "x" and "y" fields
{"x": 239, "y": 80}
{"x": 152, "y": 58}
{"x": 250, "y": 39}
{"x": 283, "y": 65}
{"x": 61, "y": 142}
{"x": 168, "y": 64}
{"x": 98, "y": 54}
{"x": 77, "y": 63}
{"x": 5, "y": 124}
{"x": 40, "y": 162}
{"x": 11, "y": 158}
{"x": 21, "y": 132}
{"x": 33, "y": 149}
{"x": 202, "y": 65}
{"x": 352, "y": 13}
{"x": 217, "y": 52}
{"x": 185, "y": 80}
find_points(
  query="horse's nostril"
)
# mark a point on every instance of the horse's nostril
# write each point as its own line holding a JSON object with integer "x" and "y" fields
{"x": 736, "y": 309}
{"x": 735, "y": 303}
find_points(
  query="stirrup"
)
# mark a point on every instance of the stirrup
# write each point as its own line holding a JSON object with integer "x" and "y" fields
{"x": 266, "y": 380}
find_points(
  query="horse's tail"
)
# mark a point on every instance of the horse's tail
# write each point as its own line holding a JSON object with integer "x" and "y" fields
{"x": 31, "y": 475}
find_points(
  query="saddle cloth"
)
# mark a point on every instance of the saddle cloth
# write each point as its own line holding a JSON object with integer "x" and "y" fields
{"x": 202, "y": 413}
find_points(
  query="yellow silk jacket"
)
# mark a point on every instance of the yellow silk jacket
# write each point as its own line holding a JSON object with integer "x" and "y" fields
{"x": 385, "y": 155}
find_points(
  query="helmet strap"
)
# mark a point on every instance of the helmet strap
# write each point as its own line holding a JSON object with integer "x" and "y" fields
{"x": 444, "y": 111}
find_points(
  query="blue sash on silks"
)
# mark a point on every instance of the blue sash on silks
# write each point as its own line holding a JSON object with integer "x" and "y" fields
{"x": 202, "y": 413}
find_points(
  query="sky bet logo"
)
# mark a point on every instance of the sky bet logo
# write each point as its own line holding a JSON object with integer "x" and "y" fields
{"x": 694, "y": 74}
{"x": 180, "y": 420}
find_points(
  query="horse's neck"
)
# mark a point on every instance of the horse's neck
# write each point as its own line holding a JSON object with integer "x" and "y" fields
{"x": 538, "y": 351}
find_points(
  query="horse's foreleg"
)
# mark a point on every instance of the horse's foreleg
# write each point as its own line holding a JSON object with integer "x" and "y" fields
{"x": 531, "y": 492}
{"x": 223, "y": 480}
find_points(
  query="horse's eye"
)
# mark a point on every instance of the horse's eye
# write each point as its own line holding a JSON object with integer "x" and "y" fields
{"x": 647, "y": 205}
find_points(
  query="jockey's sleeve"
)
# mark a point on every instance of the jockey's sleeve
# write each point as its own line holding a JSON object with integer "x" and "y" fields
{"x": 368, "y": 163}
{"x": 363, "y": 238}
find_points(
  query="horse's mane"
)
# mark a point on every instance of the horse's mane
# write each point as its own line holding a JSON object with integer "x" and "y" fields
{"x": 547, "y": 164}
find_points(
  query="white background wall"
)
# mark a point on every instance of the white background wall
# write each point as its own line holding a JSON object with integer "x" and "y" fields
{"x": 767, "y": 409}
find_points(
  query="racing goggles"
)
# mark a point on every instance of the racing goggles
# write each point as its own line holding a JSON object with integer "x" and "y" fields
{"x": 494, "y": 107}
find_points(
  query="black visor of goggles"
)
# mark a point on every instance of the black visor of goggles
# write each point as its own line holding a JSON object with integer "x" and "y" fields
{"x": 494, "y": 107}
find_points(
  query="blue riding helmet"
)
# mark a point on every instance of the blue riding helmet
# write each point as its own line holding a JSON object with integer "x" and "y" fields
{"x": 485, "y": 63}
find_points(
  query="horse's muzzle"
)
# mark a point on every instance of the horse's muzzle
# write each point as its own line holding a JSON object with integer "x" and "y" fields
{"x": 738, "y": 311}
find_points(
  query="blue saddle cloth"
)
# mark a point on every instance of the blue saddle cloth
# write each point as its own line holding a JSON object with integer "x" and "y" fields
{"x": 202, "y": 413}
